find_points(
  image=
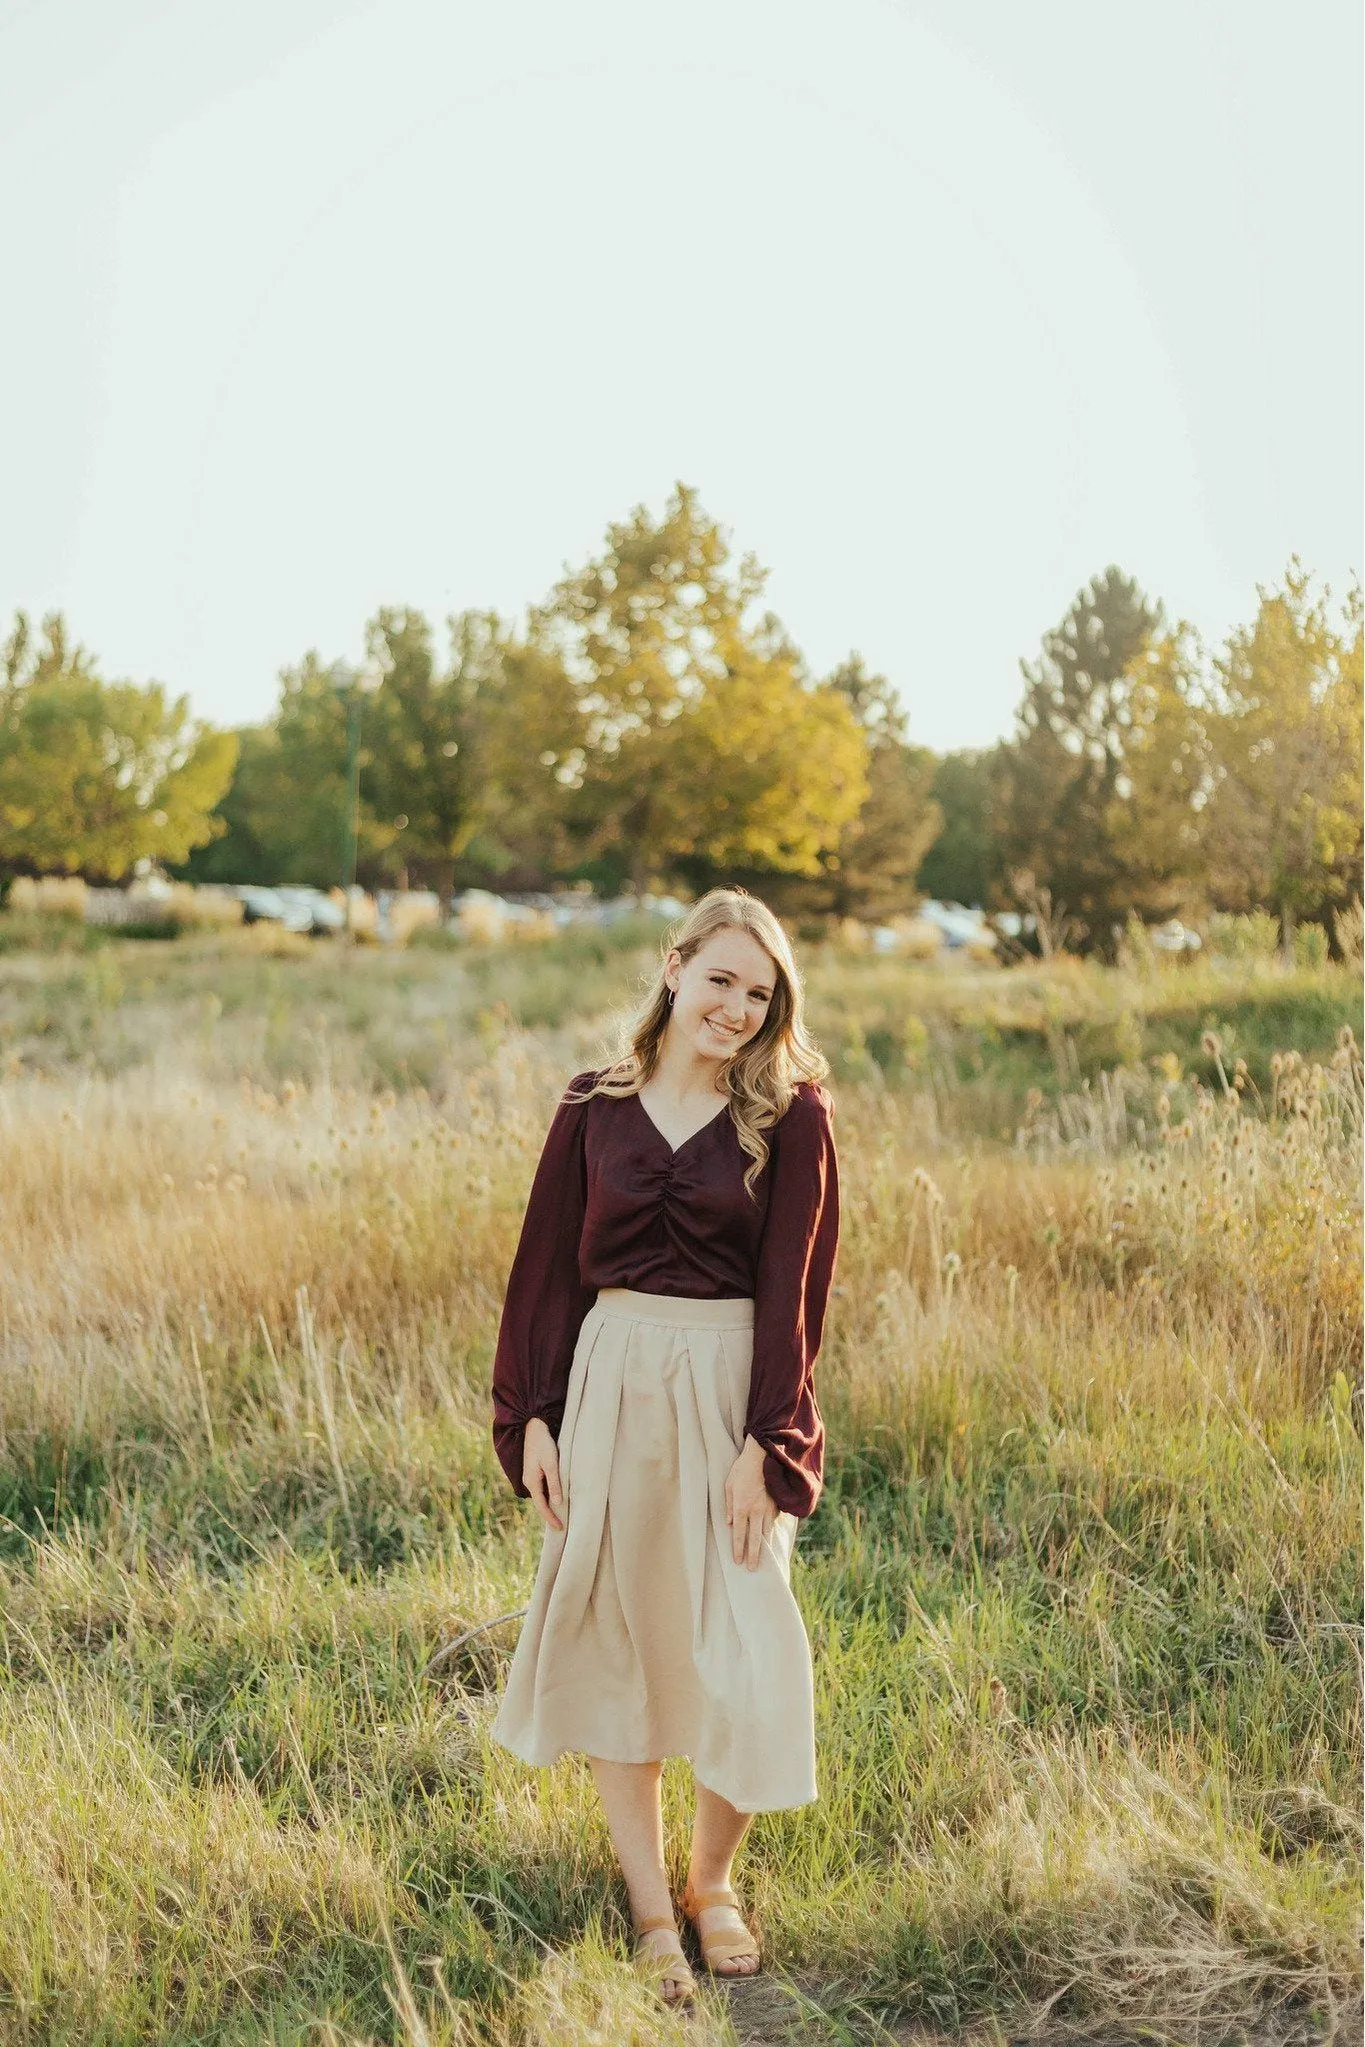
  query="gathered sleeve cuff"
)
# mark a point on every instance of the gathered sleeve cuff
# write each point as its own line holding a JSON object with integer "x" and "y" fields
{"x": 546, "y": 1299}
{"x": 795, "y": 1270}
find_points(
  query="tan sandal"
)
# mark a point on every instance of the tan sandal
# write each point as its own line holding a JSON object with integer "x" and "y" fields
{"x": 664, "y": 1962}
{"x": 720, "y": 1947}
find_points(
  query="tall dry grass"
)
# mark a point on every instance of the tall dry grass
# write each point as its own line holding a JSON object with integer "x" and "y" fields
{"x": 1083, "y": 1590}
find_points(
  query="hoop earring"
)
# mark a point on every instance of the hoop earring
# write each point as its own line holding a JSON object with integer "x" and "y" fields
{"x": 670, "y": 998}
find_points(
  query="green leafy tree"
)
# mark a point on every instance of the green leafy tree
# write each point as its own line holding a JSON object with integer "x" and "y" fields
{"x": 705, "y": 748}
{"x": 873, "y": 870}
{"x": 1283, "y": 718}
{"x": 464, "y": 766}
{"x": 288, "y": 805}
{"x": 760, "y": 771}
{"x": 1157, "y": 822}
{"x": 96, "y": 776}
{"x": 526, "y": 750}
{"x": 1061, "y": 772}
{"x": 962, "y": 864}
{"x": 418, "y": 762}
{"x": 246, "y": 847}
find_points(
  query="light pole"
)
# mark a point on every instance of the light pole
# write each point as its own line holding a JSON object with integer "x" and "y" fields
{"x": 353, "y": 684}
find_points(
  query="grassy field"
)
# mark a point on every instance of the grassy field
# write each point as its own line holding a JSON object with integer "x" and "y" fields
{"x": 1084, "y": 1590}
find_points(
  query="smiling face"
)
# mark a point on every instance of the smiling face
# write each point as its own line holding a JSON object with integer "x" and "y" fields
{"x": 722, "y": 995}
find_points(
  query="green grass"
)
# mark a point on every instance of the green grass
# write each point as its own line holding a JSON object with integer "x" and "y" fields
{"x": 1084, "y": 1589}
{"x": 973, "y": 1040}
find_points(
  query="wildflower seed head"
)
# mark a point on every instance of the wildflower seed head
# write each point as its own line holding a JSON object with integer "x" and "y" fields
{"x": 1212, "y": 1044}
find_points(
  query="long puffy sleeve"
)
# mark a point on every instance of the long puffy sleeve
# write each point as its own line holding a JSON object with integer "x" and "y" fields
{"x": 546, "y": 1299}
{"x": 795, "y": 1269}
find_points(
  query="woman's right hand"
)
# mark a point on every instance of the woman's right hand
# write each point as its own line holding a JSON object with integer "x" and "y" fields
{"x": 540, "y": 1472}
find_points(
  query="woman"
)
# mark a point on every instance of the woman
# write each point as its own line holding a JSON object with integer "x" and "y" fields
{"x": 653, "y": 1398}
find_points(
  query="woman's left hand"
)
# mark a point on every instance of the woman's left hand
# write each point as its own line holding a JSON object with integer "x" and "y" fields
{"x": 749, "y": 1507}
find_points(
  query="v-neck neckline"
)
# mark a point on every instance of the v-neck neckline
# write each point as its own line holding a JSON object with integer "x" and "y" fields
{"x": 674, "y": 1149}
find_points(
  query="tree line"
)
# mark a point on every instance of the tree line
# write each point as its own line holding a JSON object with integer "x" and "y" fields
{"x": 652, "y": 722}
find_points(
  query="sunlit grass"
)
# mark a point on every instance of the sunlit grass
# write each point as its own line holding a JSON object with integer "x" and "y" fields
{"x": 1084, "y": 1590}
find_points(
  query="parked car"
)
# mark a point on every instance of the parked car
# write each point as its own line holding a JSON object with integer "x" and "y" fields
{"x": 1173, "y": 936}
{"x": 295, "y": 908}
{"x": 265, "y": 906}
{"x": 316, "y": 912}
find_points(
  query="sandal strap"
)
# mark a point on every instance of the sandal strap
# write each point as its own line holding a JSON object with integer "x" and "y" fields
{"x": 665, "y": 1963}
{"x": 728, "y": 1950}
{"x": 718, "y": 1946}
{"x": 705, "y": 1901}
{"x": 653, "y": 1924}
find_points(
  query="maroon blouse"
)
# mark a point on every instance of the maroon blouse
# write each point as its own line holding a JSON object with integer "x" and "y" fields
{"x": 614, "y": 1205}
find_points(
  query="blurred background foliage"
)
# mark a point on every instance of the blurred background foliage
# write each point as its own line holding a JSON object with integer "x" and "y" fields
{"x": 650, "y": 724}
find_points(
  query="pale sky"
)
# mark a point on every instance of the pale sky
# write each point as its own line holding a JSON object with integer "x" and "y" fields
{"x": 313, "y": 305}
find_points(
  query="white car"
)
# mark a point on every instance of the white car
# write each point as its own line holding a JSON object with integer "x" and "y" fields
{"x": 1173, "y": 936}
{"x": 296, "y": 909}
{"x": 308, "y": 909}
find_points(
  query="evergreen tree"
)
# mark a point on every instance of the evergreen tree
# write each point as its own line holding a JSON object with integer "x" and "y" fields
{"x": 1061, "y": 772}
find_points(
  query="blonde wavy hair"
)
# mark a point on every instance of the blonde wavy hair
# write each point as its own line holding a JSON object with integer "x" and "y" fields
{"x": 762, "y": 1076}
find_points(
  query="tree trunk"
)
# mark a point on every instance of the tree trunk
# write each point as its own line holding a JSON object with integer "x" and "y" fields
{"x": 1286, "y": 935}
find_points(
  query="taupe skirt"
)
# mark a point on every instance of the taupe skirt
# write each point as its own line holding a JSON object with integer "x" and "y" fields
{"x": 644, "y": 1638}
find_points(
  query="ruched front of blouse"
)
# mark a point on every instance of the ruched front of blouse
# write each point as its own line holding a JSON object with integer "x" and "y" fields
{"x": 613, "y": 1204}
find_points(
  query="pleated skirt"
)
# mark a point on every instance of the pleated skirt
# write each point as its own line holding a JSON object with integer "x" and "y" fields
{"x": 643, "y": 1637}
